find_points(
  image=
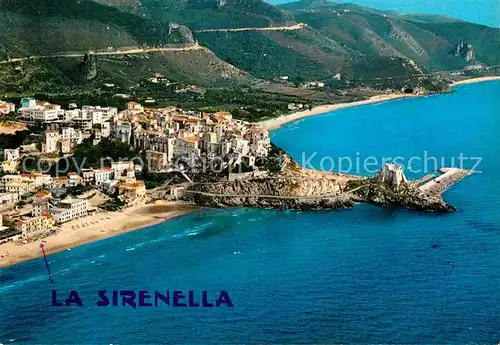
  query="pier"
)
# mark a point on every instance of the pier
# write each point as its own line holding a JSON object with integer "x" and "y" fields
{"x": 448, "y": 177}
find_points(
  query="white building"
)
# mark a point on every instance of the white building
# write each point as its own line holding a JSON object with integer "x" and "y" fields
{"x": 69, "y": 209}
{"x": 20, "y": 188}
{"x": 69, "y": 133}
{"x": 61, "y": 215}
{"x": 42, "y": 113}
{"x": 120, "y": 167}
{"x": 51, "y": 139}
{"x": 123, "y": 132}
{"x": 105, "y": 129}
{"x": 103, "y": 175}
{"x": 85, "y": 124}
{"x": 74, "y": 179}
{"x": 240, "y": 145}
{"x": 184, "y": 147}
{"x": 39, "y": 208}
{"x": 11, "y": 154}
{"x": 106, "y": 113}
{"x": 97, "y": 118}
{"x": 69, "y": 115}
{"x": 8, "y": 198}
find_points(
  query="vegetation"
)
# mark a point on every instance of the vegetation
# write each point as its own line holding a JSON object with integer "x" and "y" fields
{"x": 263, "y": 57}
{"x": 85, "y": 156}
{"x": 77, "y": 190}
{"x": 114, "y": 204}
{"x": 208, "y": 14}
{"x": 50, "y": 26}
{"x": 154, "y": 180}
{"x": 274, "y": 160}
{"x": 108, "y": 150}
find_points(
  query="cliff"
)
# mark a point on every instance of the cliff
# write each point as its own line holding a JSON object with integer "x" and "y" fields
{"x": 406, "y": 196}
{"x": 308, "y": 190}
{"x": 466, "y": 51}
{"x": 280, "y": 203}
{"x": 88, "y": 67}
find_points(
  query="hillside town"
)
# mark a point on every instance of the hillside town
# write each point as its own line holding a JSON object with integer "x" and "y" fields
{"x": 34, "y": 203}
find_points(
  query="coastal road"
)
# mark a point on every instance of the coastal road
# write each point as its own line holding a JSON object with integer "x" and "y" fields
{"x": 299, "y": 26}
{"x": 118, "y": 51}
{"x": 138, "y": 50}
{"x": 321, "y": 196}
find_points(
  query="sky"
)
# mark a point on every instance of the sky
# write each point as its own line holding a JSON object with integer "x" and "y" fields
{"x": 485, "y": 12}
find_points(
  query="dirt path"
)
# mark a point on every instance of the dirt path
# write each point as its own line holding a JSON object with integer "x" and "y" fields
{"x": 299, "y": 26}
{"x": 118, "y": 51}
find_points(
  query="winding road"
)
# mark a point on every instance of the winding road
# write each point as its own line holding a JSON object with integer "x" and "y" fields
{"x": 321, "y": 196}
{"x": 299, "y": 26}
{"x": 118, "y": 51}
{"x": 138, "y": 50}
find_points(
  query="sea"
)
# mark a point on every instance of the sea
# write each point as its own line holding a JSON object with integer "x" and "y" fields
{"x": 367, "y": 274}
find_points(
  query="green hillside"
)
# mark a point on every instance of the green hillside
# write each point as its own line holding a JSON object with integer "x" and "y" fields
{"x": 337, "y": 35}
{"x": 58, "y": 75}
{"x": 49, "y": 26}
{"x": 272, "y": 54}
{"x": 209, "y": 14}
{"x": 370, "y": 48}
{"x": 427, "y": 39}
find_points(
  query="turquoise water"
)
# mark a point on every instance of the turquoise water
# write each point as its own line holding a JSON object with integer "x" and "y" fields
{"x": 363, "y": 275}
{"x": 485, "y": 12}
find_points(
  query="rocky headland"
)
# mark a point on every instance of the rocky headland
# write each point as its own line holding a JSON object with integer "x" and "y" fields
{"x": 300, "y": 189}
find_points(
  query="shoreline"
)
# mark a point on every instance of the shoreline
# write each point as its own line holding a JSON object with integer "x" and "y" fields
{"x": 94, "y": 228}
{"x": 275, "y": 123}
{"x": 474, "y": 80}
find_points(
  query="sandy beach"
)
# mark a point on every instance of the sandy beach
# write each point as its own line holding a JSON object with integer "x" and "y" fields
{"x": 93, "y": 228}
{"x": 474, "y": 80}
{"x": 280, "y": 121}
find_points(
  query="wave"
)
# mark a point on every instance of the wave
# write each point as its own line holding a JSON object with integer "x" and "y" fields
{"x": 20, "y": 283}
{"x": 194, "y": 230}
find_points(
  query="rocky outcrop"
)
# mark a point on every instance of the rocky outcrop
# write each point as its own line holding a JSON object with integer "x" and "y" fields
{"x": 409, "y": 197}
{"x": 284, "y": 192}
{"x": 466, "y": 51}
{"x": 287, "y": 203}
{"x": 273, "y": 186}
{"x": 88, "y": 67}
{"x": 180, "y": 34}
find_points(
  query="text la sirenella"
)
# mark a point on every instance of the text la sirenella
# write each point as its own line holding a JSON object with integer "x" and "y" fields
{"x": 144, "y": 298}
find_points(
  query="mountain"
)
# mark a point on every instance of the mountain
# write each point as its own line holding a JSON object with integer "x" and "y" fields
{"x": 50, "y": 26}
{"x": 426, "y": 39}
{"x": 335, "y": 35}
{"x": 207, "y": 14}
{"x": 241, "y": 43}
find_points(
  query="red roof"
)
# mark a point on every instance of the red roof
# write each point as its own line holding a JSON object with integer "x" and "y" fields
{"x": 42, "y": 192}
